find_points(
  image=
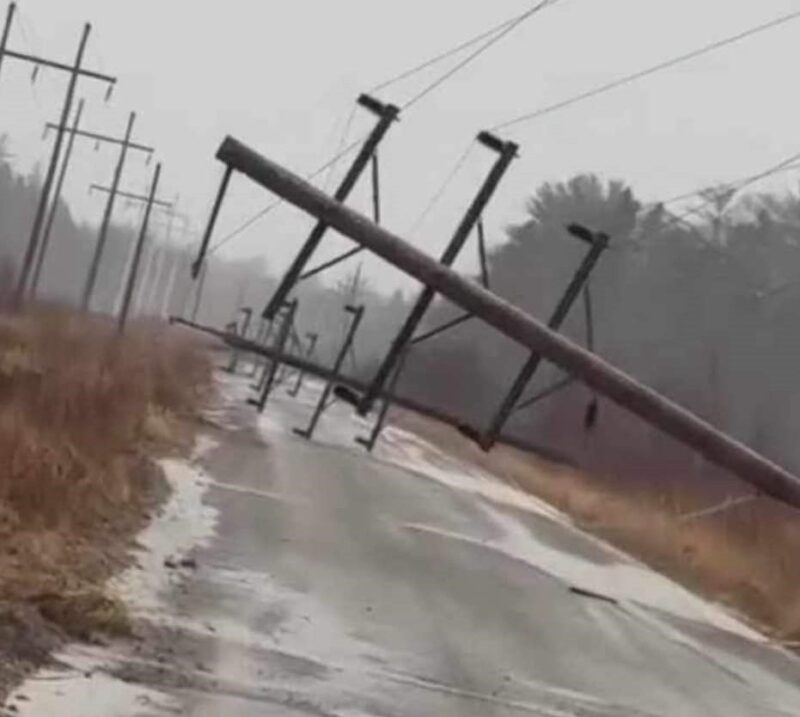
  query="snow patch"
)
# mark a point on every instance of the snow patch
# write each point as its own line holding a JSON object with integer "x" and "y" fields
{"x": 184, "y": 523}
{"x": 85, "y": 690}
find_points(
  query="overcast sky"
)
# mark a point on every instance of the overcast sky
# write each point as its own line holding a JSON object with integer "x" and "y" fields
{"x": 283, "y": 75}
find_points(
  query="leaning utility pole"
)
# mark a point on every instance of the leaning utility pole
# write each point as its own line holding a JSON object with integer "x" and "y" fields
{"x": 94, "y": 267}
{"x": 387, "y": 114}
{"x": 598, "y": 243}
{"x": 507, "y": 151}
{"x": 137, "y": 254}
{"x": 604, "y": 378}
{"x": 37, "y": 272}
{"x": 76, "y": 71}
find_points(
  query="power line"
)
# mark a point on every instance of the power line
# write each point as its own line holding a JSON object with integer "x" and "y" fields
{"x": 628, "y": 79}
{"x": 447, "y": 54}
{"x": 495, "y": 34}
{"x": 509, "y": 28}
{"x": 436, "y": 197}
{"x": 342, "y": 142}
{"x": 792, "y": 162}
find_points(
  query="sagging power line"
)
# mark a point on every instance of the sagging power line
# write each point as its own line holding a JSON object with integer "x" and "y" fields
{"x": 628, "y": 79}
{"x": 493, "y": 36}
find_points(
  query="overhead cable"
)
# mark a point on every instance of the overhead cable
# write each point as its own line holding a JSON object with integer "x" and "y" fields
{"x": 628, "y": 79}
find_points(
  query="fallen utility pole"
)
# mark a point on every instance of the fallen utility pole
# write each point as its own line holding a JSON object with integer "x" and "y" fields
{"x": 125, "y": 145}
{"x": 270, "y": 353}
{"x": 508, "y": 152}
{"x": 48, "y": 228}
{"x": 75, "y": 72}
{"x": 137, "y": 254}
{"x": 387, "y": 114}
{"x": 598, "y": 243}
{"x": 605, "y": 379}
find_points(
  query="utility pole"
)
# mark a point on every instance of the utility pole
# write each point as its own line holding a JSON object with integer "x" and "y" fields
{"x": 508, "y": 152}
{"x": 598, "y": 243}
{"x": 37, "y": 272}
{"x": 161, "y": 266}
{"x": 357, "y": 314}
{"x": 75, "y": 72}
{"x": 12, "y": 9}
{"x": 137, "y": 255}
{"x": 387, "y": 114}
{"x": 149, "y": 202}
{"x": 94, "y": 267}
{"x": 600, "y": 376}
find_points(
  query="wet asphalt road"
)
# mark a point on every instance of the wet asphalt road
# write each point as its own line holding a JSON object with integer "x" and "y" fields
{"x": 339, "y": 584}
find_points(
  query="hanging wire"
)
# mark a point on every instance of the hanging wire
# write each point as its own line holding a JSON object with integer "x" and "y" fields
{"x": 792, "y": 162}
{"x": 341, "y": 145}
{"x": 447, "y": 54}
{"x": 440, "y": 192}
{"x": 496, "y": 34}
{"x": 628, "y": 79}
{"x": 508, "y": 29}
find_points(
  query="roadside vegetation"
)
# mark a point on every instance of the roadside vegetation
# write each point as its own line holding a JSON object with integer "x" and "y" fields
{"x": 83, "y": 412}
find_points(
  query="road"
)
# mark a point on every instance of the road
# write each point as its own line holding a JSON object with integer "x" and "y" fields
{"x": 332, "y": 583}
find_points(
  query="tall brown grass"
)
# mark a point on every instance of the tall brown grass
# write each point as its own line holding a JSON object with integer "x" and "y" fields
{"x": 81, "y": 410}
{"x": 744, "y": 557}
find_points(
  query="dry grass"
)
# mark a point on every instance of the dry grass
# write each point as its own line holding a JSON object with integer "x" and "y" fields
{"x": 745, "y": 557}
{"x": 82, "y": 411}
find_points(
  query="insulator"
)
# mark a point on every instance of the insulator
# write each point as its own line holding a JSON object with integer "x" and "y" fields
{"x": 110, "y": 91}
{"x": 34, "y": 74}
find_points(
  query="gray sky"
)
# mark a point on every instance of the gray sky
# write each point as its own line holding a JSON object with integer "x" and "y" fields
{"x": 282, "y": 76}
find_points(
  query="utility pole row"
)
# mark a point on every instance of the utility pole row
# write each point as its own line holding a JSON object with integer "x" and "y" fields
{"x": 76, "y": 71}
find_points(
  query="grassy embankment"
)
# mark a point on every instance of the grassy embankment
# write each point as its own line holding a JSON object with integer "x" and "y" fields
{"x": 82, "y": 414}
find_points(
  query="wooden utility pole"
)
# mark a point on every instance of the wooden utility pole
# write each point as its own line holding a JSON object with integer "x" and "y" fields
{"x": 161, "y": 275}
{"x": 10, "y": 12}
{"x": 137, "y": 254}
{"x": 507, "y": 152}
{"x": 387, "y": 114}
{"x": 598, "y": 243}
{"x": 607, "y": 380}
{"x": 145, "y": 199}
{"x": 73, "y": 132}
{"x": 51, "y": 217}
{"x": 357, "y": 314}
{"x": 76, "y": 72}
{"x": 94, "y": 267}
